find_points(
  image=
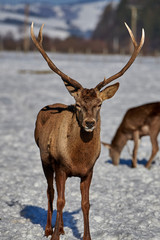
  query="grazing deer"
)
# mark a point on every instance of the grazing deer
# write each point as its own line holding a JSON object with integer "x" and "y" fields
{"x": 69, "y": 137}
{"x": 139, "y": 121}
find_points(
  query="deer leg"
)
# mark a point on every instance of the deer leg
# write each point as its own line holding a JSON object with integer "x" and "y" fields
{"x": 85, "y": 185}
{"x": 60, "y": 184}
{"x": 155, "y": 149}
{"x": 48, "y": 171}
{"x": 135, "y": 149}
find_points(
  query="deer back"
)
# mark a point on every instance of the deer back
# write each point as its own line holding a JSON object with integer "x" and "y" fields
{"x": 138, "y": 117}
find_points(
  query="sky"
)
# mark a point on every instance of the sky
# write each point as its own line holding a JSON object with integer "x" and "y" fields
{"x": 54, "y": 2}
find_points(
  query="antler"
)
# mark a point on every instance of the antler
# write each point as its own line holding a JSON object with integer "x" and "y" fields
{"x": 137, "y": 49}
{"x": 70, "y": 83}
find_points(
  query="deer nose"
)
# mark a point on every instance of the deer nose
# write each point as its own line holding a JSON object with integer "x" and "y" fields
{"x": 89, "y": 125}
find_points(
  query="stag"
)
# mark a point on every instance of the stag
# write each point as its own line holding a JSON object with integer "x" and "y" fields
{"x": 139, "y": 121}
{"x": 69, "y": 137}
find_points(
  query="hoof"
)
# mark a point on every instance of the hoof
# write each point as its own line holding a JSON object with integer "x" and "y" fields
{"x": 61, "y": 232}
{"x": 54, "y": 237}
{"x": 87, "y": 238}
{"x": 48, "y": 231}
{"x": 134, "y": 166}
{"x": 148, "y": 166}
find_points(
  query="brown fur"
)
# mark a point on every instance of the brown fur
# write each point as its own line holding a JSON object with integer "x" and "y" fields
{"x": 140, "y": 121}
{"x": 61, "y": 137}
{"x": 69, "y": 141}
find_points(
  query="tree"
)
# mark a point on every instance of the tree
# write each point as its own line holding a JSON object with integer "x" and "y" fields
{"x": 111, "y": 26}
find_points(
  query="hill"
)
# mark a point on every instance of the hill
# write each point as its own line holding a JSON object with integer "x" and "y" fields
{"x": 147, "y": 17}
{"x": 61, "y": 21}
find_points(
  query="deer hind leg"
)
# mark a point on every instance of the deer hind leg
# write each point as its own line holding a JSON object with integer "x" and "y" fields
{"x": 135, "y": 149}
{"x": 48, "y": 171}
{"x": 60, "y": 184}
{"x": 155, "y": 148}
{"x": 85, "y": 185}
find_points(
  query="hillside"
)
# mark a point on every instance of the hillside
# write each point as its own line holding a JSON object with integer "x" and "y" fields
{"x": 60, "y": 21}
{"x": 113, "y": 17}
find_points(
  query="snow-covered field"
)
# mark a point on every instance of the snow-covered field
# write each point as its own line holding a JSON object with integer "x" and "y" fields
{"x": 125, "y": 202}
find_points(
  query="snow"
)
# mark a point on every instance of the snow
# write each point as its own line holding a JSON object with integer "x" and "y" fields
{"x": 125, "y": 202}
{"x": 88, "y": 15}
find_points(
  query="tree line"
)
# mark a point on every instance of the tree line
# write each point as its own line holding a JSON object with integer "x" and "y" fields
{"x": 111, "y": 28}
{"x": 110, "y": 35}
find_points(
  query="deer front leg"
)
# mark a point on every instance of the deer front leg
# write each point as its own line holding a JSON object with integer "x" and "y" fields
{"x": 48, "y": 171}
{"x": 135, "y": 149}
{"x": 155, "y": 149}
{"x": 85, "y": 185}
{"x": 60, "y": 184}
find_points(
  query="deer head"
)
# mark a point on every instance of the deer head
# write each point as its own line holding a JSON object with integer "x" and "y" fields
{"x": 88, "y": 104}
{"x": 88, "y": 101}
{"x": 114, "y": 152}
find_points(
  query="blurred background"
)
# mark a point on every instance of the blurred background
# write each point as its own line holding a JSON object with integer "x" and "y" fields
{"x": 80, "y": 26}
{"x": 125, "y": 202}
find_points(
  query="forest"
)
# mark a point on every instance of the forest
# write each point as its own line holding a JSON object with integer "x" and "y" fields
{"x": 138, "y": 14}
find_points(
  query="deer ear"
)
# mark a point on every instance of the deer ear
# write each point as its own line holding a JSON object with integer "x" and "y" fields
{"x": 109, "y": 92}
{"x": 72, "y": 86}
{"x": 107, "y": 145}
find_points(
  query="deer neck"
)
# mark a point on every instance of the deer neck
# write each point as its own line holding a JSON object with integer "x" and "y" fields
{"x": 82, "y": 148}
{"x": 82, "y": 136}
{"x": 119, "y": 140}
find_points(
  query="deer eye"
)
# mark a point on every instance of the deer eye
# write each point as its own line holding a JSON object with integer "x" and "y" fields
{"x": 99, "y": 105}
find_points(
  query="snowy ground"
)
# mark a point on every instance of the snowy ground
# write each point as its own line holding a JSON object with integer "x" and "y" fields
{"x": 125, "y": 202}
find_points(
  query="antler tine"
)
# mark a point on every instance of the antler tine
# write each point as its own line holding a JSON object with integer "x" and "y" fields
{"x": 40, "y": 36}
{"x": 137, "y": 49}
{"x": 69, "y": 82}
{"x": 131, "y": 35}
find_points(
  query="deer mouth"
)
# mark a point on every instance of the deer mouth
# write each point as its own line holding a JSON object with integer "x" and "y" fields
{"x": 87, "y": 129}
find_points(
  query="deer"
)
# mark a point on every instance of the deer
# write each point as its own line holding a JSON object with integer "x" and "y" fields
{"x": 68, "y": 137}
{"x": 137, "y": 122}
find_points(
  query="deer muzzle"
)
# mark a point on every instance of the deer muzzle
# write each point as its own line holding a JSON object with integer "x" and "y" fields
{"x": 89, "y": 125}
